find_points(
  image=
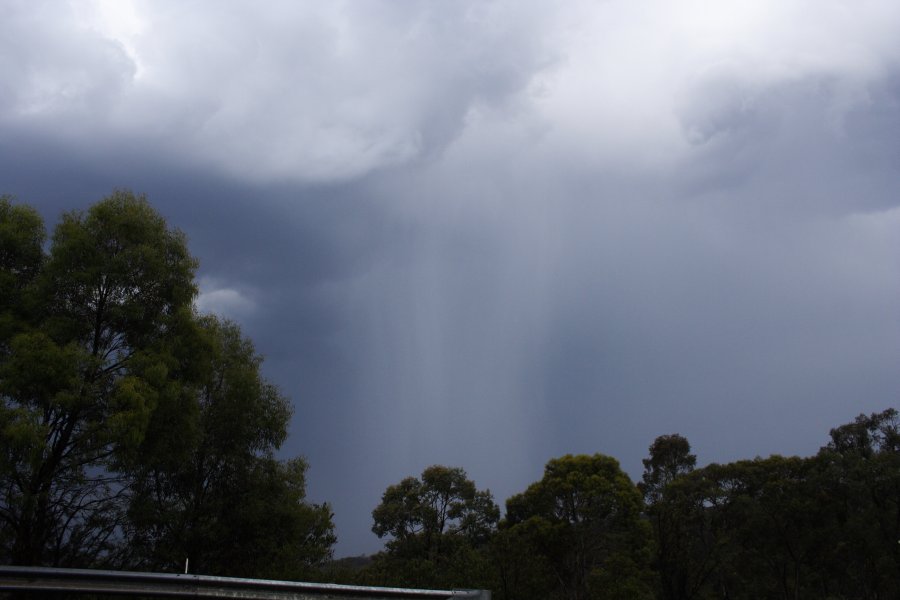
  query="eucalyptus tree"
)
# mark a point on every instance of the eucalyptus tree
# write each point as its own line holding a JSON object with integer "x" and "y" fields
{"x": 438, "y": 526}
{"x": 205, "y": 483}
{"x": 420, "y": 515}
{"x": 133, "y": 431}
{"x": 82, "y": 369}
{"x": 676, "y": 531}
{"x": 583, "y": 519}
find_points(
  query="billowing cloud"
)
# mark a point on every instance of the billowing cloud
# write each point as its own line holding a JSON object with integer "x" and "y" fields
{"x": 292, "y": 91}
{"x": 305, "y": 92}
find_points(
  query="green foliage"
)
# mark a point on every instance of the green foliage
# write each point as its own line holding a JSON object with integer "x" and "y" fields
{"x": 420, "y": 514}
{"x": 670, "y": 457}
{"x": 859, "y": 473}
{"x": 787, "y": 527}
{"x": 134, "y": 432}
{"x": 22, "y": 237}
{"x": 794, "y": 528}
{"x": 217, "y": 496}
{"x": 100, "y": 302}
{"x": 519, "y": 572}
{"x": 438, "y": 524}
{"x": 583, "y": 519}
{"x": 679, "y": 570}
{"x": 115, "y": 276}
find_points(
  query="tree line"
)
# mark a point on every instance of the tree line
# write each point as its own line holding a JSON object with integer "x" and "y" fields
{"x": 139, "y": 434}
{"x": 821, "y": 527}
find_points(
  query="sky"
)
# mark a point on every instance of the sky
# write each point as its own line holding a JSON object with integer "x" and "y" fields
{"x": 489, "y": 233}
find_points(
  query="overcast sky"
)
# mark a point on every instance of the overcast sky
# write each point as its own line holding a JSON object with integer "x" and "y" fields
{"x": 489, "y": 233}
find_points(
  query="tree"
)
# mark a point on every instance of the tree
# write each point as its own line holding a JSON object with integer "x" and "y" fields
{"x": 435, "y": 524}
{"x": 680, "y": 575}
{"x": 859, "y": 473}
{"x": 520, "y": 572}
{"x": 670, "y": 457}
{"x": 136, "y": 433}
{"x": 584, "y": 519}
{"x": 217, "y": 496}
{"x": 763, "y": 517}
{"x": 421, "y": 513}
{"x": 868, "y": 436}
{"x": 81, "y": 375}
{"x": 22, "y": 237}
{"x": 782, "y": 527}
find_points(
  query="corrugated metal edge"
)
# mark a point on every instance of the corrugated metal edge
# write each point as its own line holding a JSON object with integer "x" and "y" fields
{"x": 204, "y": 586}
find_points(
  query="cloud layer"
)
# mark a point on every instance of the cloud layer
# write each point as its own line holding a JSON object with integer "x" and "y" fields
{"x": 296, "y": 92}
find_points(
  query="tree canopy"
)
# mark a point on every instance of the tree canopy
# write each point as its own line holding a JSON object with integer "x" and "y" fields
{"x": 135, "y": 431}
{"x": 583, "y": 518}
{"x": 436, "y": 524}
{"x": 824, "y": 526}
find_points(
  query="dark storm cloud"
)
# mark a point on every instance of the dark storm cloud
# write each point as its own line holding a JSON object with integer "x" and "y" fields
{"x": 486, "y": 234}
